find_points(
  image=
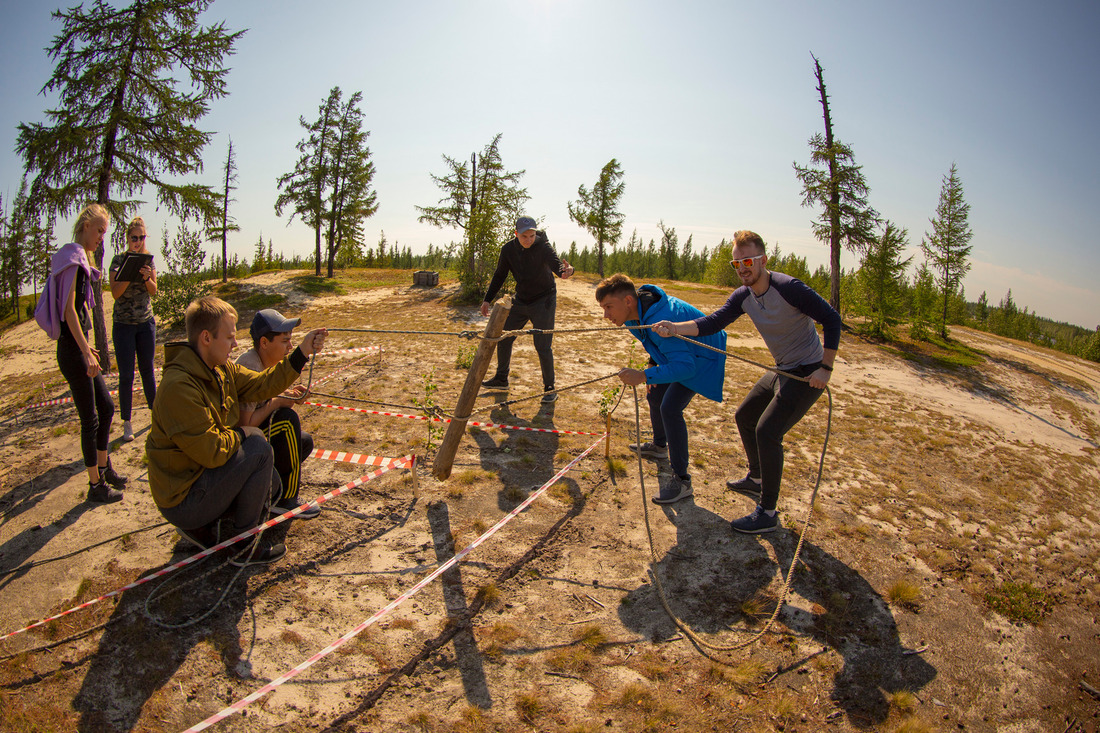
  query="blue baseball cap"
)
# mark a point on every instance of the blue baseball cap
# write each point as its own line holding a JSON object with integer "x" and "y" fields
{"x": 269, "y": 321}
{"x": 525, "y": 223}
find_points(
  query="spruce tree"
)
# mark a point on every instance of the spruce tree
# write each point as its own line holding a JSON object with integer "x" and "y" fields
{"x": 948, "y": 246}
{"x": 131, "y": 84}
{"x": 880, "y": 280}
{"x": 597, "y": 210}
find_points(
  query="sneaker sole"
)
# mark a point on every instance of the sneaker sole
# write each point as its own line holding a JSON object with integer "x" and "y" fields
{"x": 241, "y": 562}
{"x": 186, "y": 534}
{"x": 278, "y": 512}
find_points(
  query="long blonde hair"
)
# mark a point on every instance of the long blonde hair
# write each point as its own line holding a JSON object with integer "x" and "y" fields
{"x": 136, "y": 222}
{"x": 91, "y": 212}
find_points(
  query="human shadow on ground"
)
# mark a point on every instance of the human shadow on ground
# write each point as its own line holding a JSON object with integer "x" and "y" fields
{"x": 711, "y": 572}
{"x": 136, "y": 657}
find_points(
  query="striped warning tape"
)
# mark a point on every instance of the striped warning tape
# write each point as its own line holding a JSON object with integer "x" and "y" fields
{"x": 355, "y": 350}
{"x": 245, "y": 702}
{"x": 332, "y": 455}
{"x": 402, "y": 462}
{"x": 443, "y": 420}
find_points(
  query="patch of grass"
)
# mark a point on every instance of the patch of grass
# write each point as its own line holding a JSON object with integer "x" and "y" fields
{"x": 530, "y": 707}
{"x": 912, "y": 725}
{"x": 905, "y": 594}
{"x": 903, "y": 702}
{"x": 571, "y": 659}
{"x": 313, "y": 285}
{"x": 591, "y": 636}
{"x": 1021, "y": 602}
{"x": 636, "y": 696}
{"x": 421, "y": 721}
{"x": 747, "y": 673}
{"x": 472, "y": 476}
{"x": 489, "y": 594}
{"x": 515, "y": 494}
{"x": 472, "y": 720}
{"x": 616, "y": 467}
{"x": 653, "y": 666}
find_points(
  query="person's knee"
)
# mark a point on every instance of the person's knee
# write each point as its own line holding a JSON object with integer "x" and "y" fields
{"x": 256, "y": 446}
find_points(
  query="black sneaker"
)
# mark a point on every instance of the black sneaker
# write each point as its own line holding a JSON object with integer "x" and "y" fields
{"x": 289, "y": 505}
{"x": 261, "y": 555}
{"x": 101, "y": 493}
{"x": 746, "y": 486}
{"x": 110, "y": 476}
{"x": 203, "y": 537}
{"x": 674, "y": 489}
{"x": 549, "y": 397}
{"x": 650, "y": 450}
{"x": 756, "y": 523}
{"x": 496, "y": 383}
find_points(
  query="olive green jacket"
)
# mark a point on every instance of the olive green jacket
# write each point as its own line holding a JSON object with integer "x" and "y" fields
{"x": 195, "y": 414}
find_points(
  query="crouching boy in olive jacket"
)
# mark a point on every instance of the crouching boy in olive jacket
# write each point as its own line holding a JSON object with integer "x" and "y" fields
{"x": 201, "y": 466}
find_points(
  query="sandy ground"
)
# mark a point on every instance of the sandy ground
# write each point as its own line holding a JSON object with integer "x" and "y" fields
{"x": 953, "y": 481}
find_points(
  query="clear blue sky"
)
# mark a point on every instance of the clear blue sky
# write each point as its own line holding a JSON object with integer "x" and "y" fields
{"x": 705, "y": 104}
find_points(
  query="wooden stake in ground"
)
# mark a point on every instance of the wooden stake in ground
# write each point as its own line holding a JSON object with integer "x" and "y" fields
{"x": 445, "y": 456}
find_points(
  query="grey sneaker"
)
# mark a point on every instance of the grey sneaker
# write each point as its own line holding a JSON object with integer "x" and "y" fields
{"x": 127, "y": 432}
{"x": 674, "y": 489}
{"x": 746, "y": 486}
{"x": 549, "y": 397}
{"x": 650, "y": 450}
{"x": 496, "y": 383}
{"x": 756, "y": 523}
{"x": 263, "y": 553}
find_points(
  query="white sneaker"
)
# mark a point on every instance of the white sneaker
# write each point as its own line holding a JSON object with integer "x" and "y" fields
{"x": 127, "y": 432}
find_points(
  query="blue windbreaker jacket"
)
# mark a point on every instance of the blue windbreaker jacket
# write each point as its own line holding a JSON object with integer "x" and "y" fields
{"x": 698, "y": 369}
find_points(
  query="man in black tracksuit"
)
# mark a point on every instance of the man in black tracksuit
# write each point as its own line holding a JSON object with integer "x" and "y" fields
{"x": 533, "y": 263}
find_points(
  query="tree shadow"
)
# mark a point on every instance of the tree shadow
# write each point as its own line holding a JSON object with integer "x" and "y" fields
{"x": 714, "y": 580}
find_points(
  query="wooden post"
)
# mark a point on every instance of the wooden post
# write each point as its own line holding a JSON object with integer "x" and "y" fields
{"x": 445, "y": 456}
{"x": 607, "y": 445}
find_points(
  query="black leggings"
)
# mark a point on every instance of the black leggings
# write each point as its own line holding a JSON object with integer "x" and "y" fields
{"x": 93, "y": 401}
{"x": 772, "y": 407}
{"x": 291, "y": 447}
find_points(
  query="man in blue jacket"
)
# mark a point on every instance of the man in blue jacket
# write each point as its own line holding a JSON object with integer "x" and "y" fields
{"x": 784, "y": 310}
{"x": 678, "y": 370}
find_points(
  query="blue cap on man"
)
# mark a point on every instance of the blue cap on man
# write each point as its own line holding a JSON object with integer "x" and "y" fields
{"x": 524, "y": 224}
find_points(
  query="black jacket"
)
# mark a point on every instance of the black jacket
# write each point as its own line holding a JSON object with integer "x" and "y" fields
{"x": 534, "y": 269}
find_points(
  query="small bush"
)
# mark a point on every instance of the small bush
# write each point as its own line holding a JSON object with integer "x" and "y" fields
{"x": 1021, "y": 602}
{"x": 905, "y": 594}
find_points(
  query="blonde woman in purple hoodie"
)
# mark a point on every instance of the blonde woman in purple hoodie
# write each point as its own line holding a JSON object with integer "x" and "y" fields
{"x": 72, "y": 289}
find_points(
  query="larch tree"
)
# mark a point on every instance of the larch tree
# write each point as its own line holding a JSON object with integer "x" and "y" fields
{"x": 350, "y": 173}
{"x": 948, "y": 246}
{"x": 220, "y": 227}
{"x": 303, "y": 189}
{"x": 483, "y": 200}
{"x": 597, "y": 210}
{"x": 131, "y": 84}
{"x": 834, "y": 182}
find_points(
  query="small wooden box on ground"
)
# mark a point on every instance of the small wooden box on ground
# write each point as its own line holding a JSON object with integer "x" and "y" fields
{"x": 426, "y": 278}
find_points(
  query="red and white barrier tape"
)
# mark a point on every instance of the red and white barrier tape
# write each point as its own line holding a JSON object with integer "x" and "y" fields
{"x": 356, "y": 350}
{"x": 332, "y": 455}
{"x": 447, "y": 420}
{"x": 402, "y": 462}
{"x": 245, "y": 702}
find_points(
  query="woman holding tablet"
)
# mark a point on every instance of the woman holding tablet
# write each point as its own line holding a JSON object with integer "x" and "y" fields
{"x": 135, "y": 330}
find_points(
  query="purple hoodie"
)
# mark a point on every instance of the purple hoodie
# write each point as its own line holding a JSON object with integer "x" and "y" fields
{"x": 50, "y": 312}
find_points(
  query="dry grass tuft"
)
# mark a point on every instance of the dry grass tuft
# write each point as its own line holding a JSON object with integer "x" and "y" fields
{"x": 903, "y": 702}
{"x": 290, "y": 636}
{"x": 489, "y": 594}
{"x": 905, "y": 594}
{"x": 530, "y": 707}
{"x": 591, "y": 636}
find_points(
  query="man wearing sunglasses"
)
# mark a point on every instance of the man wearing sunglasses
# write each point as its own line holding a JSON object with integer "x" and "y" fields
{"x": 784, "y": 311}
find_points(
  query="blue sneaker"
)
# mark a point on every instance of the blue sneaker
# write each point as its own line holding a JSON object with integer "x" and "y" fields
{"x": 756, "y": 523}
{"x": 674, "y": 489}
{"x": 746, "y": 486}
